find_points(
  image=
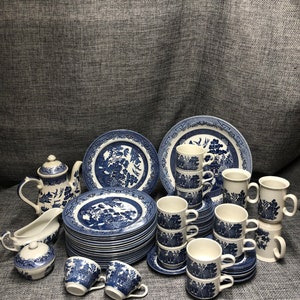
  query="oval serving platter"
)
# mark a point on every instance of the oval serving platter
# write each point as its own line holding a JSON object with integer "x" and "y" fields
{"x": 110, "y": 212}
{"x": 121, "y": 158}
{"x": 216, "y": 136}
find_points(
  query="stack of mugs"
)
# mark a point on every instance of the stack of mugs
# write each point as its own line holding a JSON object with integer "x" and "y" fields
{"x": 272, "y": 198}
{"x": 204, "y": 265}
{"x": 191, "y": 181}
{"x": 174, "y": 231}
{"x": 272, "y": 206}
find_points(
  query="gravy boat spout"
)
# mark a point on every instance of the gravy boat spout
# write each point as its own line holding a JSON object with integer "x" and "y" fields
{"x": 43, "y": 229}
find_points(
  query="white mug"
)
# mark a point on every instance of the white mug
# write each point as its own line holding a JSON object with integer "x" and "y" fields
{"x": 173, "y": 212}
{"x": 236, "y": 186}
{"x": 273, "y": 198}
{"x": 270, "y": 245}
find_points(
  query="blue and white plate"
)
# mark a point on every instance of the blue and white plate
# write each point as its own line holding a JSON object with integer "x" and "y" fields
{"x": 216, "y": 136}
{"x": 109, "y": 212}
{"x": 121, "y": 158}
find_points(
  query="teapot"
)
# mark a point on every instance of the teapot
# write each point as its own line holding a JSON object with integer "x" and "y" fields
{"x": 55, "y": 189}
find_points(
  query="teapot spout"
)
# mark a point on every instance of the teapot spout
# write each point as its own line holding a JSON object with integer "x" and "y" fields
{"x": 74, "y": 179}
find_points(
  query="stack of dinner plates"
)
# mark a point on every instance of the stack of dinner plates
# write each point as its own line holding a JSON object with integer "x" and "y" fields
{"x": 110, "y": 223}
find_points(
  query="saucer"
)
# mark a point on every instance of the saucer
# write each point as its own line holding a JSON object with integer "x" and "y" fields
{"x": 154, "y": 264}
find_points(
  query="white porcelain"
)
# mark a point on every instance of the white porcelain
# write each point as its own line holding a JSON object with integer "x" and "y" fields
{"x": 192, "y": 157}
{"x": 55, "y": 189}
{"x": 270, "y": 245}
{"x": 35, "y": 261}
{"x": 207, "y": 288}
{"x": 205, "y": 259}
{"x": 236, "y": 186}
{"x": 176, "y": 237}
{"x": 173, "y": 212}
{"x": 192, "y": 179}
{"x": 81, "y": 275}
{"x": 124, "y": 281}
{"x": 171, "y": 257}
{"x": 194, "y": 197}
{"x": 232, "y": 221}
{"x": 273, "y": 199}
{"x": 45, "y": 228}
{"x": 236, "y": 247}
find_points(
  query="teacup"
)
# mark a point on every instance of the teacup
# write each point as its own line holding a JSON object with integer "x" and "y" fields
{"x": 205, "y": 259}
{"x": 194, "y": 197}
{"x": 171, "y": 257}
{"x": 207, "y": 288}
{"x": 273, "y": 199}
{"x": 81, "y": 274}
{"x": 192, "y": 179}
{"x": 192, "y": 157}
{"x": 176, "y": 237}
{"x": 236, "y": 247}
{"x": 173, "y": 212}
{"x": 270, "y": 245}
{"x": 236, "y": 185}
{"x": 231, "y": 221}
{"x": 123, "y": 281}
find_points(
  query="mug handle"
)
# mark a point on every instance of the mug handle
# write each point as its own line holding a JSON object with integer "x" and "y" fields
{"x": 194, "y": 212}
{"x": 294, "y": 200}
{"x": 256, "y": 187}
{"x": 101, "y": 280}
{"x": 139, "y": 295}
{"x": 280, "y": 253}
{"x": 248, "y": 248}
{"x": 226, "y": 285}
{"x": 211, "y": 157}
{"x": 209, "y": 179}
{"x": 189, "y": 228}
{"x": 230, "y": 261}
{"x": 208, "y": 189}
{"x": 254, "y": 221}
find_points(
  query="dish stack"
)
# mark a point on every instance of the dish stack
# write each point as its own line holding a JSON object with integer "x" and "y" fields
{"x": 193, "y": 183}
{"x": 110, "y": 224}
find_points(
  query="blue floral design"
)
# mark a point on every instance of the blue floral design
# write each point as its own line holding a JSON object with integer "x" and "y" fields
{"x": 262, "y": 238}
{"x": 268, "y": 210}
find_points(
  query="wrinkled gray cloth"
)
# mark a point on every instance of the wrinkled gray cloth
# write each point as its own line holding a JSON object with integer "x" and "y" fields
{"x": 72, "y": 70}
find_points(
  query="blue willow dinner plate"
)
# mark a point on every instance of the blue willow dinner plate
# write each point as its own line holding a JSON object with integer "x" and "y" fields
{"x": 216, "y": 136}
{"x": 121, "y": 158}
{"x": 110, "y": 212}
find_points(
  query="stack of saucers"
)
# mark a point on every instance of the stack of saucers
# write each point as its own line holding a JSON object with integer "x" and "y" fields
{"x": 205, "y": 220}
{"x": 244, "y": 268}
{"x": 109, "y": 224}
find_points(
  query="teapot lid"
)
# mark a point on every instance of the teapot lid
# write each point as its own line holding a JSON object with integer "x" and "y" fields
{"x": 34, "y": 255}
{"x": 52, "y": 167}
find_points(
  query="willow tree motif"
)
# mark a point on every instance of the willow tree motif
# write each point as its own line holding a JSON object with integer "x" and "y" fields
{"x": 201, "y": 290}
{"x": 236, "y": 198}
{"x": 168, "y": 222}
{"x": 268, "y": 210}
{"x": 202, "y": 270}
{"x": 120, "y": 166}
{"x": 262, "y": 238}
{"x": 227, "y": 229}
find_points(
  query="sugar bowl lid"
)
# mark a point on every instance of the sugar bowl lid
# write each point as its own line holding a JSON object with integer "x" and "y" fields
{"x": 35, "y": 255}
{"x": 52, "y": 167}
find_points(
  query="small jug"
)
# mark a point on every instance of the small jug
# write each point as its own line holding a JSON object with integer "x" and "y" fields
{"x": 55, "y": 189}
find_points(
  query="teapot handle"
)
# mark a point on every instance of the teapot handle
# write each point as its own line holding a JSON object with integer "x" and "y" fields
{"x": 21, "y": 195}
{"x": 2, "y": 239}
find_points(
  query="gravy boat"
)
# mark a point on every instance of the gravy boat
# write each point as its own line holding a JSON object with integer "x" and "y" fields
{"x": 43, "y": 229}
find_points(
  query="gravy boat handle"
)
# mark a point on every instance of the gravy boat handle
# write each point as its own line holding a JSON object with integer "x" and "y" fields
{"x": 2, "y": 238}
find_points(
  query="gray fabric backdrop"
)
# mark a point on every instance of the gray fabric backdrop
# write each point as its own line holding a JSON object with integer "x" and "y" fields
{"x": 72, "y": 70}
